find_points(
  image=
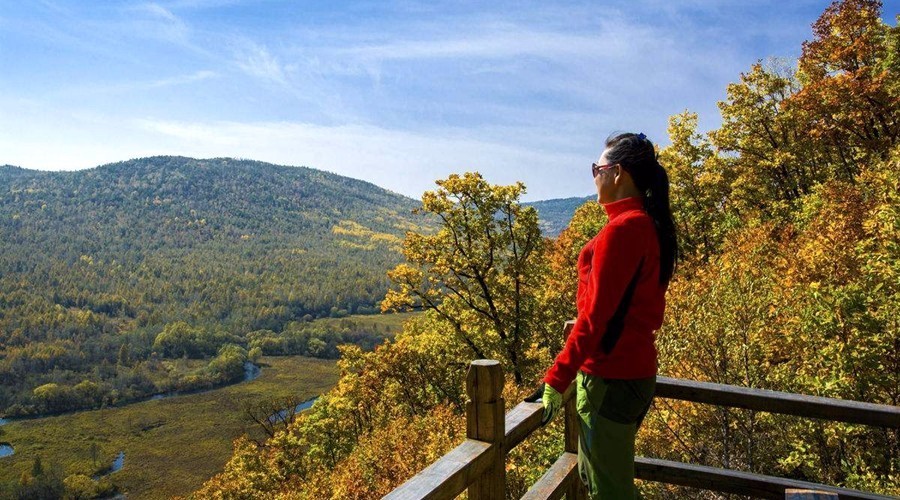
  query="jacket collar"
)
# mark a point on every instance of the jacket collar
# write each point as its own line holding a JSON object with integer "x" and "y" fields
{"x": 619, "y": 207}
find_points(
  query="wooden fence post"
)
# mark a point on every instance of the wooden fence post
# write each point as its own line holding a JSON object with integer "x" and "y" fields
{"x": 486, "y": 421}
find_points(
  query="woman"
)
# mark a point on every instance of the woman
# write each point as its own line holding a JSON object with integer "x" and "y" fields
{"x": 623, "y": 275}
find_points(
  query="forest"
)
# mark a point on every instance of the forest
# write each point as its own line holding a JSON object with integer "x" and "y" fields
{"x": 789, "y": 216}
{"x": 109, "y": 275}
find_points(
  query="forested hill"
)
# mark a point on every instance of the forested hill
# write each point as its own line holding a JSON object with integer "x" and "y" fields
{"x": 554, "y": 215}
{"x": 183, "y": 202}
{"x": 93, "y": 259}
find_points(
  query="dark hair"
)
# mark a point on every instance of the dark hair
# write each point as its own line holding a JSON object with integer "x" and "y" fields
{"x": 635, "y": 153}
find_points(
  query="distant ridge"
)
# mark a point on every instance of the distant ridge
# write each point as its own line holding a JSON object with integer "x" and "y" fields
{"x": 11, "y": 171}
{"x": 554, "y": 215}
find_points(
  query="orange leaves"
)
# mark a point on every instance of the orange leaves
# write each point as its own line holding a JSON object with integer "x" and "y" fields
{"x": 850, "y": 96}
{"x": 390, "y": 455}
{"x": 847, "y": 37}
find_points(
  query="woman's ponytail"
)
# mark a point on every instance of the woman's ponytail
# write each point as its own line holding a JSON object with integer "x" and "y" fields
{"x": 658, "y": 207}
{"x": 638, "y": 157}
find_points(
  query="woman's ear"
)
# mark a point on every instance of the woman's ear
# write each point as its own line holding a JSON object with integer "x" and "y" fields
{"x": 619, "y": 177}
{"x": 623, "y": 182}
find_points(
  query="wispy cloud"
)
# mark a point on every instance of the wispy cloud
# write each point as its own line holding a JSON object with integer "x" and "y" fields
{"x": 198, "y": 76}
{"x": 159, "y": 11}
{"x": 504, "y": 42}
{"x": 399, "y": 93}
{"x": 155, "y": 21}
{"x": 256, "y": 60}
{"x": 134, "y": 88}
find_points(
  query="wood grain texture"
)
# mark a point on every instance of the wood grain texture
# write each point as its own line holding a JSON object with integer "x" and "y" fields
{"x": 554, "y": 483}
{"x": 486, "y": 421}
{"x": 797, "y": 494}
{"x": 521, "y": 421}
{"x": 732, "y": 481}
{"x": 451, "y": 474}
{"x": 836, "y": 410}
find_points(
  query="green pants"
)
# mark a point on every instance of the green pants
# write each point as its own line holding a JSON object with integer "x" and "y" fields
{"x": 610, "y": 412}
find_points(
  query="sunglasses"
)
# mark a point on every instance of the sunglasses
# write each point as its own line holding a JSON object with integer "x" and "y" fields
{"x": 596, "y": 169}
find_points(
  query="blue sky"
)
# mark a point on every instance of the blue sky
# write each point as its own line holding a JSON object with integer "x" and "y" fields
{"x": 398, "y": 93}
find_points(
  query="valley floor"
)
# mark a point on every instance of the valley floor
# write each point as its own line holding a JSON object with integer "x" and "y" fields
{"x": 171, "y": 445}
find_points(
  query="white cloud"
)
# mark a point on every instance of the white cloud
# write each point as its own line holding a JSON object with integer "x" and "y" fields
{"x": 159, "y": 11}
{"x": 403, "y": 162}
{"x": 257, "y": 61}
{"x": 397, "y": 94}
{"x": 138, "y": 87}
{"x": 197, "y": 76}
{"x": 152, "y": 20}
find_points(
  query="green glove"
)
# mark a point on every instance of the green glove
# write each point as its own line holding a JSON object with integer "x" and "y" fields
{"x": 552, "y": 403}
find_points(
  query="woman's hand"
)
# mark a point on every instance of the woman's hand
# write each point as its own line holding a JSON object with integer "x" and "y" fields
{"x": 552, "y": 403}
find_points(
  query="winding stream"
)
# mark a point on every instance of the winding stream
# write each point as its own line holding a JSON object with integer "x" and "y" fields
{"x": 118, "y": 463}
{"x": 297, "y": 409}
{"x": 251, "y": 372}
{"x": 6, "y": 449}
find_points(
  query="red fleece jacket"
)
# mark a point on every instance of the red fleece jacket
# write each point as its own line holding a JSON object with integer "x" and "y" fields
{"x": 625, "y": 250}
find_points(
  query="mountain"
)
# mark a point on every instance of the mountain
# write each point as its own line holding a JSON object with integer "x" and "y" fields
{"x": 205, "y": 251}
{"x": 554, "y": 215}
{"x": 145, "y": 216}
{"x": 106, "y": 272}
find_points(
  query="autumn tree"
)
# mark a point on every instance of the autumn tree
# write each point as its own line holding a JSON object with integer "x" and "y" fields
{"x": 796, "y": 223}
{"x": 699, "y": 180}
{"x": 768, "y": 149}
{"x": 480, "y": 272}
{"x": 850, "y": 98}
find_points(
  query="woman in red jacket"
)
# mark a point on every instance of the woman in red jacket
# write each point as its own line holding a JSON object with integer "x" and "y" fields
{"x": 610, "y": 353}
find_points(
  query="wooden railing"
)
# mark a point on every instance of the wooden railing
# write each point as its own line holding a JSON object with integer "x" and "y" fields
{"x": 479, "y": 463}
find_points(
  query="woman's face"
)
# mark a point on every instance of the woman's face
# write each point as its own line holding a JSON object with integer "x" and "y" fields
{"x": 605, "y": 180}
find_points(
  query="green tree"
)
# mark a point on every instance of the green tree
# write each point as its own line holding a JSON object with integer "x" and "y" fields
{"x": 480, "y": 272}
{"x": 124, "y": 358}
{"x": 699, "y": 181}
{"x": 771, "y": 155}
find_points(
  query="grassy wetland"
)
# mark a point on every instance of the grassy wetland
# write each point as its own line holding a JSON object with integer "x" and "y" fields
{"x": 171, "y": 445}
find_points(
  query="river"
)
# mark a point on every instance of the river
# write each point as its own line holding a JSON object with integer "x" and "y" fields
{"x": 251, "y": 372}
{"x": 297, "y": 409}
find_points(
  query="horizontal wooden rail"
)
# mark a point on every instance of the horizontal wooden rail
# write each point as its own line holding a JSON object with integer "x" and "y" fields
{"x": 525, "y": 418}
{"x": 837, "y": 410}
{"x": 478, "y": 464}
{"x": 553, "y": 484}
{"x": 451, "y": 474}
{"x": 732, "y": 481}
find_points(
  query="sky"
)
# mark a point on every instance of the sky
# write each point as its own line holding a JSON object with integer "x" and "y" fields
{"x": 397, "y": 93}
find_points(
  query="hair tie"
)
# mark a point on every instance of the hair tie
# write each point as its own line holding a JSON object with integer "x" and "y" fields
{"x": 641, "y": 136}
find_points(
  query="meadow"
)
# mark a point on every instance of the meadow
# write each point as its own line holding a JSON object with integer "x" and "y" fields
{"x": 171, "y": 445}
